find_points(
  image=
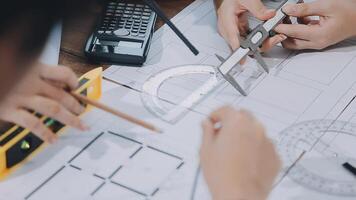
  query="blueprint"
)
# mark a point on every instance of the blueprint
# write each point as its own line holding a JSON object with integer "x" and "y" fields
{"x": 305, "y": 90}
{"x": 307, "y": 104}
{"x": 114, "y": 159}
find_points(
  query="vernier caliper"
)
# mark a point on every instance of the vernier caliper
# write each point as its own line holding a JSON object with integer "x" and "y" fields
{"x": 250, "y": 47}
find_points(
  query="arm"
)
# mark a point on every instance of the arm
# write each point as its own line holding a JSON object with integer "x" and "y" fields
{"x": 239, "y": 162}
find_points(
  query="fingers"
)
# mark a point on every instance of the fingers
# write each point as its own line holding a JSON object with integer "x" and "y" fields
{"x": 298, "y": 44}
{"x": 271, "y": 42}
{"x": 299, "y": 31}
{"x": 54, "y": 110}
{"x": 258, "y": 10}
{"x": 64, "y": 98}
{"x": 34, "y": 124}
{"x": 229, "y": 31}
{"x": 306, "y": 9}
{"x": 221, "y": 114}
{"x": 60, "y": 74}
{"x": 304, "y": 20}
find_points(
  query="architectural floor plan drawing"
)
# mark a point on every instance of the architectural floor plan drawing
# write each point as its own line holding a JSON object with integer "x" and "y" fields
{"x": 301, "y": 87}
{"x": 114, "y": 159}
{"x": 134, "y": 163}
{"x": 307, "y": 104}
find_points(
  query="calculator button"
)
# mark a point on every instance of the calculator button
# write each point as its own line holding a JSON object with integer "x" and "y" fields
{"x": 128, "y": 26}
{"x": 134, "y": 34}
{"x": 145, "y": 17}
{"x": 125, "y": 16}
{"x": 100, "y": 32}
{"x": 121, "y": 32}
{"x": 141, "y": 35}
{"x": 130, "y": 4}
{"x": 121, "y": 4}
{"x": 139, "y": 5}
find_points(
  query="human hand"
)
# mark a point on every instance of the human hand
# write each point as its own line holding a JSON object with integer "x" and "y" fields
{"x": 232, "y": 21}
{"x": 43, "y": 90}
{"x": 337, "y": 21}
{"x": 238, "y": 160}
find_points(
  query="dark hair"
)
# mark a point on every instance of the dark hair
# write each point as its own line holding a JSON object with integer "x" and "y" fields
{"x": 35, "y": 19}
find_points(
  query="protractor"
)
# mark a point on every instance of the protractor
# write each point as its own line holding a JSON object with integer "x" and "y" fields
{"x": 161, "y": 95}
{"x": 329, "y": 145}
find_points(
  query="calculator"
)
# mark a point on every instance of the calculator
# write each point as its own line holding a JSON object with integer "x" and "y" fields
{"x": 123, "y": 34}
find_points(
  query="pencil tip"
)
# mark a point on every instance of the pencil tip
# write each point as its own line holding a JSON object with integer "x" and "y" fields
{"x": 157, "y": 130}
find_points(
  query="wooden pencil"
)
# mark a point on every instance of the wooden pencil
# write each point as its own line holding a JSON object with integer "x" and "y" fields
{"x": 122, "y": 115}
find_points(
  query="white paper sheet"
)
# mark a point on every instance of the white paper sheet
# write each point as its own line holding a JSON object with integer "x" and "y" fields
{"x": 118, "y": 160}
{"x": 301, "y": 86}
{"x": 114, "y": 159}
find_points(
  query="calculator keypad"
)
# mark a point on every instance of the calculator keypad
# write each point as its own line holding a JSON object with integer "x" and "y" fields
{"x": 125, "y": 19}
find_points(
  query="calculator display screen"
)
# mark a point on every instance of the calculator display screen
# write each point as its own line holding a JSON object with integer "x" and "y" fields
{"x": 137, "y": 45}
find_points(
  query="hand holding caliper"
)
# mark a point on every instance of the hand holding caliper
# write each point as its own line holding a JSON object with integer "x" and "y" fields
{"x": 250, "y": 46}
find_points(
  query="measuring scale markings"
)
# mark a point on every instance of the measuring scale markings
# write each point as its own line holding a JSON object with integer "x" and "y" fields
{"x": 327, "y": 144}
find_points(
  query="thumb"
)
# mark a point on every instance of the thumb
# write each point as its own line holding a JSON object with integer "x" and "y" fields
{"x": 258, "y": 10}
{"x": 305, "y": 9}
